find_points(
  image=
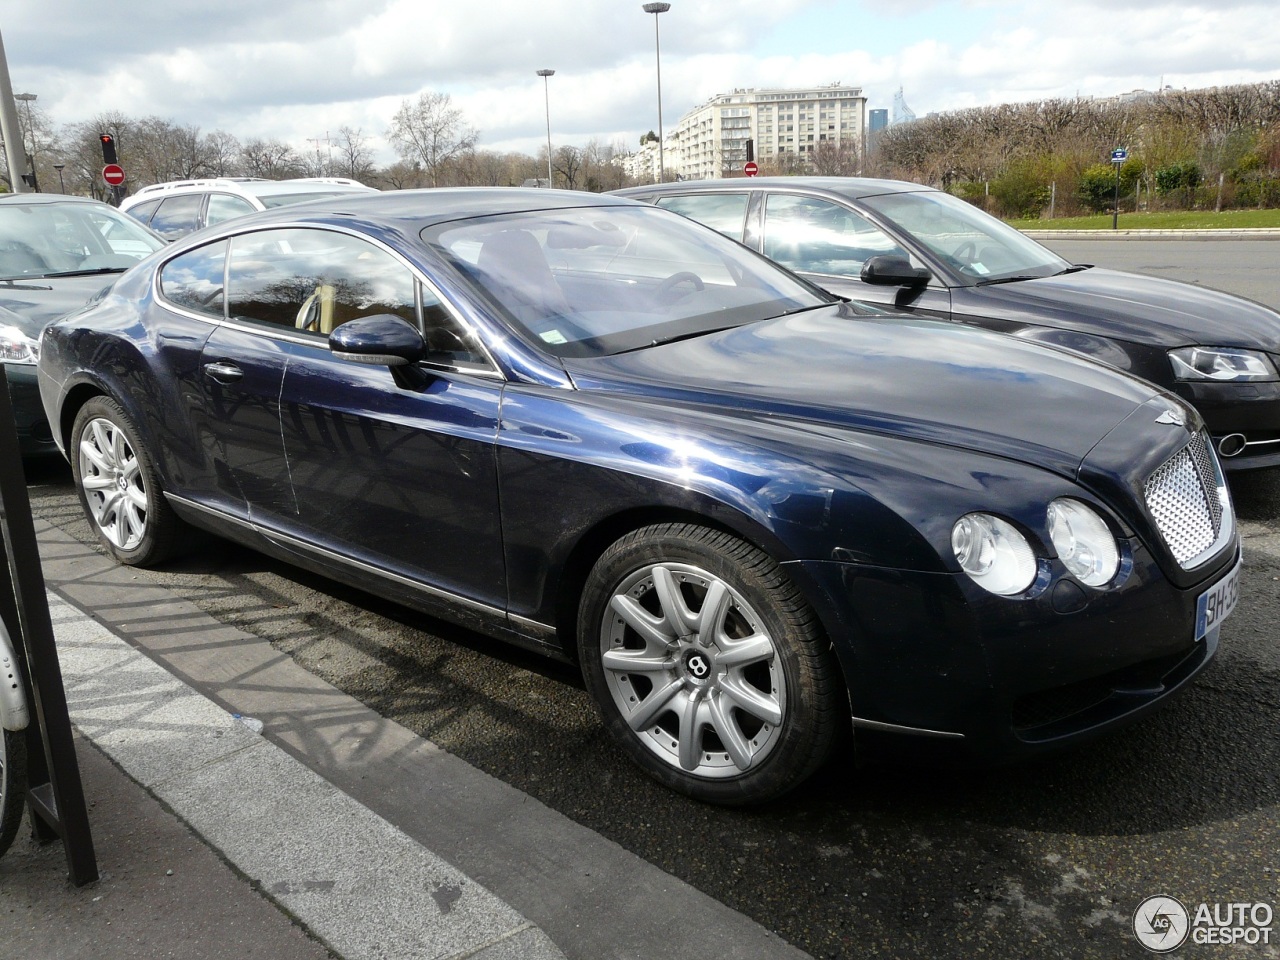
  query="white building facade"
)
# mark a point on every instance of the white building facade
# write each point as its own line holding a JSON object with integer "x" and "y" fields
{"x": 710, "y": 141}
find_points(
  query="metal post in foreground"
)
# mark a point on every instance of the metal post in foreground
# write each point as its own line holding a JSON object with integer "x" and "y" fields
{"x": 55, "y": 793}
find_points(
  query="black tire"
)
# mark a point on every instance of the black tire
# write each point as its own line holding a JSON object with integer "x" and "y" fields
{"x": 118, "y": 486}
{"x": 13, "y": 785}
{"x": 708, "y": 666}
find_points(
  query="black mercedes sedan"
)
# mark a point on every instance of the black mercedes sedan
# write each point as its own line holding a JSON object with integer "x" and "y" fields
{"x": 56, "y": 252}
{"x": 921, "y": 251}
{"x": 754, "y": 515}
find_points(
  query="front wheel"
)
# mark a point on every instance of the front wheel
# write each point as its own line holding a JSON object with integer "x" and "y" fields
{"x": 13, "y": 784}
{"x": 119, "y": 487}
{"x": 709, "y": 668}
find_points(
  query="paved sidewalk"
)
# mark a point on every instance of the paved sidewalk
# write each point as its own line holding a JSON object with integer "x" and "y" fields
{"x": 297, "y": 823}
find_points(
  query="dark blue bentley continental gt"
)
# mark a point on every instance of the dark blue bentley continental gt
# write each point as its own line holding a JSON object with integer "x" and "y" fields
{"x": 753, "y": 514}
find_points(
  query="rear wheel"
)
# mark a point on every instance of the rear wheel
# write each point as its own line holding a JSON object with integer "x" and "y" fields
{"x": 118, "y": 486}
{"x": 708, "y": 666}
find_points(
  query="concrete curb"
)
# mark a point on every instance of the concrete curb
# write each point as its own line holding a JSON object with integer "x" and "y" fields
{"x": 323, "y": 857}
{"x": 1259, "y": 233}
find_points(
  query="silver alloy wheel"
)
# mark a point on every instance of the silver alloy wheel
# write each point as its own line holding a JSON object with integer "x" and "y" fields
{"x": 693, "y": 670}
{"x": 111, "y": 478}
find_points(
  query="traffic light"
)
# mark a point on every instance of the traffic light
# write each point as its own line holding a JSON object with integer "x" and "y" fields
{"x": 108, "y": 148}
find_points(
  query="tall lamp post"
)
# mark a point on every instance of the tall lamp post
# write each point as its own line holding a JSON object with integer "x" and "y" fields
{"x": 62, "y": 187}
{"x": 655, "y": 9}
{"x": 27, "y": 98}
{"x": 546, "y": 92}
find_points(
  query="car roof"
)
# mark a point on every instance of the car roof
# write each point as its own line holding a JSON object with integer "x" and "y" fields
{"x": 248, "y": 187}
{"x": 433, "y": 205}
{"x": 853, "y": 188}
{"x": 45, "y": 198}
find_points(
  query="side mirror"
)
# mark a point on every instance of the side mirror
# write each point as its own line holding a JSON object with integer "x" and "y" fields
{"x": 383, "y": 340}
{"x": 892, "y": 271}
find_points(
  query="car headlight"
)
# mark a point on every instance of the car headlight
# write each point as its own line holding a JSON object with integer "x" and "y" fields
{"x": 17, "y": 347}
{"x": 1083, "y": 541}
{"x": 993, "y": 553}
{"x": 1221, "y": 363}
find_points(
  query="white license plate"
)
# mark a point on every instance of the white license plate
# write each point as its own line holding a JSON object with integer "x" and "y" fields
{"x": 1217, "y": 602}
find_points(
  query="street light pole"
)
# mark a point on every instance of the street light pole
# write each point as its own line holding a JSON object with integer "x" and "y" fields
{"x": 62, "y": 187}
{"x": 546, "y": 91}
{"x": 655, "y": 9}
{"x": 31, "y": 157}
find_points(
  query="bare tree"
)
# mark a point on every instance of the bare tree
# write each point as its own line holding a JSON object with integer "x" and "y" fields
{"x": 273, "y": 159}
{"x": 353, "y": 157}
{"x": 431, "y": 132}
{"x": 831, "y": 158}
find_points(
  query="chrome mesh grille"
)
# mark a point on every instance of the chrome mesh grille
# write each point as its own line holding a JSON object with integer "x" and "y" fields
{"x": 1183, "y": 497}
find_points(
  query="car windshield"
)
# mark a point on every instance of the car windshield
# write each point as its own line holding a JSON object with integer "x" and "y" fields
{"x": 69, "y": 239}
{"x": 593, "y": 281}
{"x": 978, "y": 247}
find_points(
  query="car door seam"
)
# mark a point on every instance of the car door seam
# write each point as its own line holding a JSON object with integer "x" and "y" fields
{"x": 284, "y": 447}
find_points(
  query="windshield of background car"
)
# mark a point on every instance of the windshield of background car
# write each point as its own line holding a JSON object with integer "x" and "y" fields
{"x": 594, "y": 281}
{"x": 977, "y": 246}
{"x": 66, "y": 239}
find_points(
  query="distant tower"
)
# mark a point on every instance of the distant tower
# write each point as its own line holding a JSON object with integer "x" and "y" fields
{"x": 901, "y": 112}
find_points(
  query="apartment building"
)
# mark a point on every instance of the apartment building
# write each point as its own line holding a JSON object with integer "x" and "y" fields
{"x": 711, "y": 140}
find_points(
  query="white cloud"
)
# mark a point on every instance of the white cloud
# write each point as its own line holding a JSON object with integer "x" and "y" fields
{"x": 295, "y": 69}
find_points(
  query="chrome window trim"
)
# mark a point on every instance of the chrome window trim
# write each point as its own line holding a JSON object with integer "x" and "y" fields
{"x": 494, "y": 370}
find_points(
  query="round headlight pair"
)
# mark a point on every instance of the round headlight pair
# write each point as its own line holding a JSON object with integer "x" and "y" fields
{"x": 998, "y": 557}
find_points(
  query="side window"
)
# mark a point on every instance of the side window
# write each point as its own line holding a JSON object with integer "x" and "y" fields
{"x": 447, "y": 341}
{"x": 311, "y": 281}
{"x": 817, "y": 236}
{"x": 223, "y": 206}
{"x": 725, "y": 212}
{"x": 177, "y": 216}
{"x": 194, "y": 279}
{"x": 142, "y": 212}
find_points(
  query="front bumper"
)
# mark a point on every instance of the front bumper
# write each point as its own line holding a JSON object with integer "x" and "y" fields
{"x": 34, "y": 435}
{"x": 1231, "y": 410}
{"x": 933, "y": 655}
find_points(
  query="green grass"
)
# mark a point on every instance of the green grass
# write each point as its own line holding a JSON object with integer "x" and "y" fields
{"x": 1173, "y": 220}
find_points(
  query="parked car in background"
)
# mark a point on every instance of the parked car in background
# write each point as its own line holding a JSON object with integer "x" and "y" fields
{"x": 753, "y": 514}
{"x": 921, "y": 251}
{"x": 56, "y": 252}
{"x": 180, "y": 207}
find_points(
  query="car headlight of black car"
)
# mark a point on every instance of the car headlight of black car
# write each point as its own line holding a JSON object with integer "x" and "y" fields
{"x": 1084, "y": 543}
{"x": 999, "y": 558}
{"x": 1221, "y": 363}
{"x": 994, "y": 553}
{"x": 17, "y": 347}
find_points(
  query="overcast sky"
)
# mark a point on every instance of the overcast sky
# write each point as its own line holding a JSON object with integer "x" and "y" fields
{"x": 297, "y": 70}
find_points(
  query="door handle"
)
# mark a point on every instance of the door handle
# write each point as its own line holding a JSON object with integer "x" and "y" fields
{"x": 223, "y": 371}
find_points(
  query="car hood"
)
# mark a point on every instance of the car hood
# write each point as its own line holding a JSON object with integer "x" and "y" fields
{"x": 1128, "y": 306}
{"x": 927, "y": 380}
{"x": 32, "y": 304}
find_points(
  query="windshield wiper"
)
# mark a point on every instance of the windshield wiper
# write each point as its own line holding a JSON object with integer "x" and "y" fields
{"x": 86, "y": 273}
{"x": 987, "y": 283}
{"x": 663, "y": 341}
{"x": 1075, "y": 268}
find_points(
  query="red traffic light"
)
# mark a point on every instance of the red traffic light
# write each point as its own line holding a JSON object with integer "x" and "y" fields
{"x": 108, "y": 148}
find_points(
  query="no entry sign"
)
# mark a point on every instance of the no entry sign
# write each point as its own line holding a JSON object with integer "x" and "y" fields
{"x": 750, "y": 168}
{"x": 113, "y": 174}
